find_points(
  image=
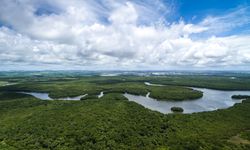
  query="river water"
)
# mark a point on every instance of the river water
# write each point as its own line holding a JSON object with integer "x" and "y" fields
{"x": 45, "y": 96}
{"x": 211, "y": 100}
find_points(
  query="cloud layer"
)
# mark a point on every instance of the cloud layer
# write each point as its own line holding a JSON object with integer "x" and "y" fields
{"x": 109, "y": 34}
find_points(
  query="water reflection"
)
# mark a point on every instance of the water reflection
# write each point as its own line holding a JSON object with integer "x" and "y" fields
{"x": 45, "y": 96}
{"x": 211, "y": 100}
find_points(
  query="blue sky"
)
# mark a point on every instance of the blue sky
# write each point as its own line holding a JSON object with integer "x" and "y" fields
{"x": 125, "y": 34}
{"x": 200, "y": 8}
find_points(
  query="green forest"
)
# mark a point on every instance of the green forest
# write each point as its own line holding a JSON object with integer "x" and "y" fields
{"x": 113, "y": 122}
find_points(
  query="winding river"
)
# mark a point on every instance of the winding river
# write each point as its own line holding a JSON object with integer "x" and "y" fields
{"x": 101, "y": 94}
{"x": 211, "y": 100}
{"x": 45, "y": 96}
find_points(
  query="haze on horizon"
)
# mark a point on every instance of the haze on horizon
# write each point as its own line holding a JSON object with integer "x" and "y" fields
{"x": 124, "y": 34}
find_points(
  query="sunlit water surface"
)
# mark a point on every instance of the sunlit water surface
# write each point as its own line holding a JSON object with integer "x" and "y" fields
{"x": 45, "y": 96}
{"x": 211, "y": 100}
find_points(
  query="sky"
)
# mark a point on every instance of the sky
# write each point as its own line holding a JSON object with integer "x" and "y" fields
{"x": 125, "y": 35}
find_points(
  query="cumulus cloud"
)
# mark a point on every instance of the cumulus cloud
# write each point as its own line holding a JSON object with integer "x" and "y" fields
{"x": 116, "y": 34}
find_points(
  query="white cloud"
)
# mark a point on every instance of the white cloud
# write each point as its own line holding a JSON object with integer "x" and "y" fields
{"x": 124, "y": 15}
{"x": 112, "y": 35}
{"x": 234, "y": 19}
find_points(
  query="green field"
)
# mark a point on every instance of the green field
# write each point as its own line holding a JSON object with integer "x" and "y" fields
{"x": 113, "y": 122}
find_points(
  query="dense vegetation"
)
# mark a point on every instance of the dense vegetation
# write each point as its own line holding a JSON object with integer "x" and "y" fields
{"x": 240, "y": 96}
{"x": 113, "y": 122}
{"x": 177, "y": 109}
{"x": 2, "y": 83}
{"x": 94, "y": 85}
{"x": 213, "y": 82}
